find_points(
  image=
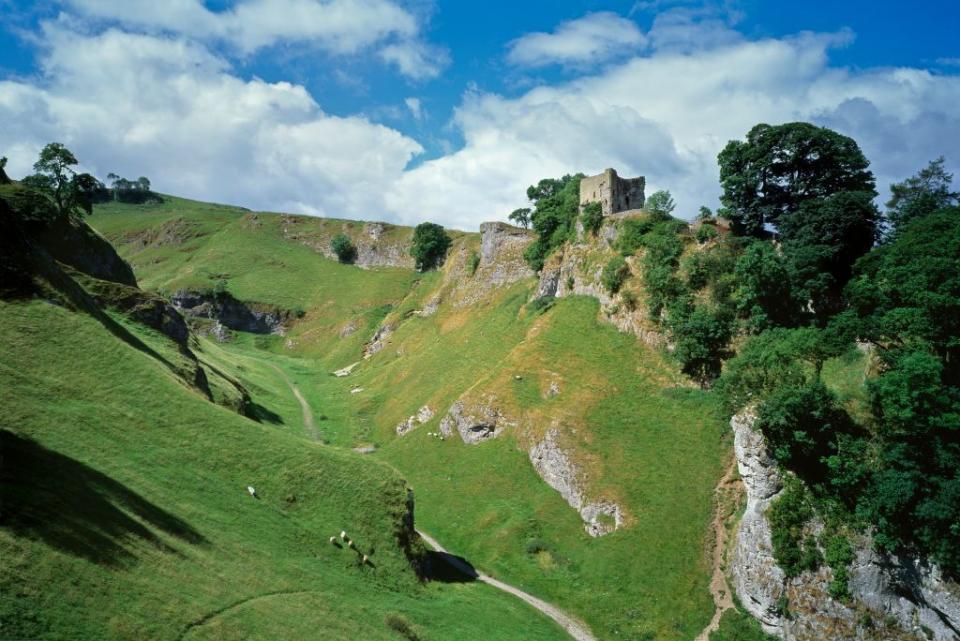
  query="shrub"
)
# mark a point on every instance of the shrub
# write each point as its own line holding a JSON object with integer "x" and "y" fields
{"x": 474, "y": 262}
{"x": 592, "y": 217}
{"x": 615, "y": 273}
{"x": 838, "y": 553}
{"x": 631, "y": 235}
{"x": 629, "y": 300}
{"x": 556, "y": 202}
{"x": 700, "y": 339}
{"x": 788, "y": 515}
{"x": 343, "y": 248}
{"x": 430, "y": 245}
{"x": 706, "y": 233}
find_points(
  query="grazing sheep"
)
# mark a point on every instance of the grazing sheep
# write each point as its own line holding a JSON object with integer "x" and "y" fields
{"x": 349, "y": 544}
{"x": 333, "y": 540}
{"x": 343, "y": 535}
{"x": 364, "y": 560}
{"x": 252, "y": 492}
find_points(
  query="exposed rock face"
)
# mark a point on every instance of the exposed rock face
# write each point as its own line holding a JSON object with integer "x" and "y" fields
{"x": 423, "y": 415}
{"x": 378, "y": 341}
{"x": 559, "y": 472}
{"x": 913, "y": 595}
{"x": 474, "y": 422}
{"x": 230, "y": 312}
{"x": 371, "y": 252}
{"x": 501, "y": 253}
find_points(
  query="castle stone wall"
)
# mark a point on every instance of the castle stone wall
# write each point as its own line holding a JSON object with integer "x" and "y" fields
{"x": 615, "y": 194}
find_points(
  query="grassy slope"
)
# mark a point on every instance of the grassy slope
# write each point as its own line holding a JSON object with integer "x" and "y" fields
{"x": 654, "y": 447}
{"x": 124, "y": 490}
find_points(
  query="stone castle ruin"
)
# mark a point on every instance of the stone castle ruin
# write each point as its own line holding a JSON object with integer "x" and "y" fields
{"x": 615, "y": 194}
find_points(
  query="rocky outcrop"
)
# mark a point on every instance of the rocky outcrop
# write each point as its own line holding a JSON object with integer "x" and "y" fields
{"x": 423, "y": 415}
{"x": 501, "y": 253}
{"x": 559, "y": 472}
{"x": 372, "y": 251}
{"x": 378, "y": 341}
{"x": 892, "y": 598}
{"x": 475, "y": 422}
{"x": 230, "y": 312}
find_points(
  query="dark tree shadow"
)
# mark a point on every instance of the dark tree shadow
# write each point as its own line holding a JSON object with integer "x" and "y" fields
{"x": 50, "y": 497}
{"x": 448, "y": 568}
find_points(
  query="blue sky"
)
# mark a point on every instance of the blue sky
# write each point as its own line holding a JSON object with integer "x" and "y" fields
{"x": 418, "y": 110}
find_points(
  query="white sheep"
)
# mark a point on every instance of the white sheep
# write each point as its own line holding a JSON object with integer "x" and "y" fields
{"x": 343, "y": 535}
{"x": 333, "y": 540}
{"x": 252, "y": 492}
{"x": 364, "y": 560}
{"x": 349, "y": 544}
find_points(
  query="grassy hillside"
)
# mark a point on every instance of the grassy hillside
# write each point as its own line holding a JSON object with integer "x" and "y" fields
{"x": 124, "y": 512}
{"x": 630, "y": 420}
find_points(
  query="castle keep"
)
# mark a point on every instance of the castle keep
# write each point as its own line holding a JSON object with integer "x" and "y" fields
{"x": 615, "y": 194}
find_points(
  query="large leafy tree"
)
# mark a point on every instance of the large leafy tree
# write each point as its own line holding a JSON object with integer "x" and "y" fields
{"x": 778, "y": 168}
{"x": 55, "y": 176}
{"x": 430, "y": 244}
{"x": 921, "y": 194}
{"x": 556, "y": 204}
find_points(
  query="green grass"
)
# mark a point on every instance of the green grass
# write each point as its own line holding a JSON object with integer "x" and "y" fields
{"x": 128, "y": 515}
{"x": 644, "y": 438}
{"x": 736, "y": 625}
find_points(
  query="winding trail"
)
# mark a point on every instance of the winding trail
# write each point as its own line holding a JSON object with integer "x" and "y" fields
{"x": 722, "y": 597}
{"x": 210, "y": 616}
{"x": 576, "y": 629}
{"x": 308, "y": 424}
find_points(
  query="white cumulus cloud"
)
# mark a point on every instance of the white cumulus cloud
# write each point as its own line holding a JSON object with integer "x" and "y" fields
{"x": 593, "y": 38}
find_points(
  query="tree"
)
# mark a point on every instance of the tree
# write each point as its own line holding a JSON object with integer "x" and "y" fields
{"x": 822, "y": 241}
{"x": 764, "y": 296}
{"x": 592, "y": 217}
{"x": 660, "y": 203}
{"x": 770, "y": 175}
{"x": 430, "y": 244}
{"x": 71, "y": 193}
{"x": 521, "y": 216}
{"x": 921, "y": 194}
{"x": 705, "y": 214}
{"x": 4, "y": 180}
{"x": 343, "y": 248}
{"x": 556, "y": 203}
{"x": 700, "y": 340}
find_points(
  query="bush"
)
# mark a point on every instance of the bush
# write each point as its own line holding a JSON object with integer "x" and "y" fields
{"x": 474, "y": 263}
{"x": 556, "y": 202}
{"x": 788, "y": 515}
{"x": 430, "y": 245}
{"x": 700, "y": 339}
{"x": 615, "y": 273}
{"x": 839, "y": 555}
{"x": 631, "y": 235}
{"x": 629, "y": 300}
{"x": 592, "y": 217}
{"x": 706, "y": 233}
{"x": 343, "y": 248}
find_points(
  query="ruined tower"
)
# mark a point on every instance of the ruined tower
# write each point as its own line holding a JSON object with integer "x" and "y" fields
{"x": 615, "y": 194}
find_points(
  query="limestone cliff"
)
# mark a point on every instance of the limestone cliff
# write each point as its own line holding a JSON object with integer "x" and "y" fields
{"x": 892, "y": 598}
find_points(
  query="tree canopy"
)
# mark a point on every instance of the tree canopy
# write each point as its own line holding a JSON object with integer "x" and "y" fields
{"x": 55, "y": 176}
{"x": 556, "y": 204}
{"x": 767, "y": 177}
{"x": 430, "y": 244}
{"x": 921, "y": 194}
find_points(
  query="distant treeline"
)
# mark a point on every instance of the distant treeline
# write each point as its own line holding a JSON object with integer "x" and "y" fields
{"x": 125, "y": 191}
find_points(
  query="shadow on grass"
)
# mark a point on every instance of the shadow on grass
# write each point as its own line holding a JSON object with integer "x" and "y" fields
{"x": 448, "y": 568}
{"x": 261, "y": 414}
{"x": 50, "y": 497}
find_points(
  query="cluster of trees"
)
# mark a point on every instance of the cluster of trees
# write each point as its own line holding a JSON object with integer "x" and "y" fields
{"x": 343, "y": 247}
{"x": 840, "y": 273}
{"x": 74, "y": 193}
{"x": 129, "y": 191}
